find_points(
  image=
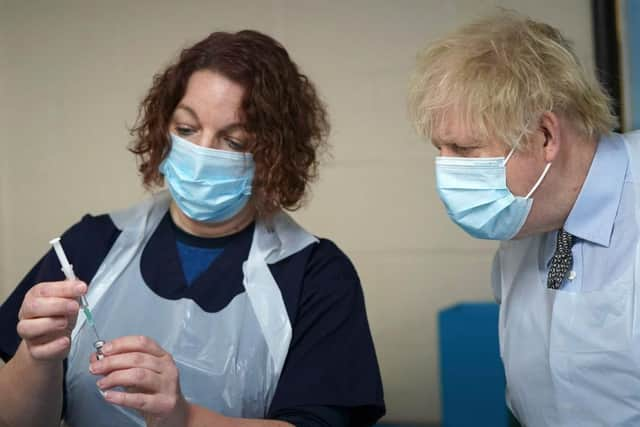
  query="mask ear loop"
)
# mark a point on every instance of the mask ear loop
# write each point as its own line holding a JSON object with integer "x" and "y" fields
{"x": 537, "y": 184}
{"x": 506, "y": 159}
{"x": 546, "y": 168}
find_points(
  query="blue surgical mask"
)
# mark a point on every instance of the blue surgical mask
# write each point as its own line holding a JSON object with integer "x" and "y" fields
{"x": 208, "y": 185}
{"x": 475, "y": 194}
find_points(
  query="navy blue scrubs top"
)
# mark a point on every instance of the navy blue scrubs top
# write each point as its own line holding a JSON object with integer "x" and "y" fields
{"x": 331, "y": 375}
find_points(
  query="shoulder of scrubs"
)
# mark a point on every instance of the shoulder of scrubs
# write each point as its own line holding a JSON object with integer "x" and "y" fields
{"x": 86, "y": 244}
{"x": 331, "y": 361}
{"x": 316, "y": 416}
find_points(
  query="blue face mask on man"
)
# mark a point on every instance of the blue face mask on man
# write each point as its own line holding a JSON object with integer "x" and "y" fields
{"x": 475, "y": 193}
{"x": 208, "y": 185}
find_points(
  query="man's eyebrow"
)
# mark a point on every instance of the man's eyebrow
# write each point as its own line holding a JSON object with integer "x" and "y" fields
{"x": 440, "y": 140}
{"x": 464, "y": 142}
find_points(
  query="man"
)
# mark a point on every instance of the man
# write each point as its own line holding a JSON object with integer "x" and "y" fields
{"x": 527, "y": 157}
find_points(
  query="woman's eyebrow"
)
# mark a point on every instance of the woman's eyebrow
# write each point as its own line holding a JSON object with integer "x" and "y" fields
{"x": 188, "y": 110}
{"x": 230, "y": 128}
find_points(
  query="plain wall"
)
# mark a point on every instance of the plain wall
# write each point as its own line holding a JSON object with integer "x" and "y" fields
{"x": 73, "y": 72}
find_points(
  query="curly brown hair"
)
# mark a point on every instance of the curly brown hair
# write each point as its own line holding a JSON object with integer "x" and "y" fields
{"x": 283, "y": 114}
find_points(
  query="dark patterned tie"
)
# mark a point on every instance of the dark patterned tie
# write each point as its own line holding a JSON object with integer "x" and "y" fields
{"x": 562, "y": 260}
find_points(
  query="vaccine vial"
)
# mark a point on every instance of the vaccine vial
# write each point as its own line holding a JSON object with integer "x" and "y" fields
{"x": 98, "y": 346}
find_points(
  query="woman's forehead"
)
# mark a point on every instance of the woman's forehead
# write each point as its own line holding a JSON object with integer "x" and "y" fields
{"x": 212, "y": 97}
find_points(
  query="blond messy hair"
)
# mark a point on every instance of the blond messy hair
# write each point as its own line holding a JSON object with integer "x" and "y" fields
{"x": 498, "y": 75}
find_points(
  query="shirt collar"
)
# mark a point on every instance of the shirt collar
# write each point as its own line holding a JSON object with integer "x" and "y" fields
{"x": 594, "y": 212}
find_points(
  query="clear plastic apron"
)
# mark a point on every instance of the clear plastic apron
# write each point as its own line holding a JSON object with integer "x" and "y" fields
{"x": 584, "y": 346}
{"x": 229, "y": 361}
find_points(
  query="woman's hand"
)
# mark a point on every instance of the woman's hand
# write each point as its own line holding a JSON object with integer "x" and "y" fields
{"x": 47, "y": 317}
{"x": 149, "y": 376}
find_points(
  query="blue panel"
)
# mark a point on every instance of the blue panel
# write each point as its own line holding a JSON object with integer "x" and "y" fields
{"x": 473, "y": 384}
{"x": 632, "y": 25}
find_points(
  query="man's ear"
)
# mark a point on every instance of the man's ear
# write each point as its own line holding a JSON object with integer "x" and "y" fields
{"x": 551, "y": 135}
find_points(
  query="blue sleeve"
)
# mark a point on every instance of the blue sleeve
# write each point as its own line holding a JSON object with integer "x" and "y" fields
{"x": 331, "y": 365}
{"x": 86, "y": 244}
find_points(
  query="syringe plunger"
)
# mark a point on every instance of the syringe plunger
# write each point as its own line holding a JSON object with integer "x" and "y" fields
{"x": 67, "y": 268}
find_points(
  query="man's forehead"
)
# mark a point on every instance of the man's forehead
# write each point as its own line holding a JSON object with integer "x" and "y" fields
{"x": 452, "y": 130}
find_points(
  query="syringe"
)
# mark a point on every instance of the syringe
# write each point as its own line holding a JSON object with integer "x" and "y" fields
{"x": 67, "y": 269}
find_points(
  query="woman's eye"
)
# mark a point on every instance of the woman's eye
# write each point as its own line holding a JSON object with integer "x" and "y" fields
{"x": 234, "y": 144}
{"x": 184, "y": 131}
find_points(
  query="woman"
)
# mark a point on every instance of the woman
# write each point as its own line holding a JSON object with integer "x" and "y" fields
{"x": 217, "y": 308}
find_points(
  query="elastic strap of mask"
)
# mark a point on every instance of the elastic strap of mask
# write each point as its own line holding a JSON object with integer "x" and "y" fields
{"x": 506, "y": 159}
{"x": 537, "y": 184}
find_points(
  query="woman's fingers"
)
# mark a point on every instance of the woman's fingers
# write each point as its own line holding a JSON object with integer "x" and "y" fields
{"x": 140, "y": 378}
{"x": 52, "y": 299}
{"x": 65, "y": 289}
{"x": 51, "y": 349}
{"x": 131, "y": 344}
{"x": 146, "y": 403}
{"x": 125, "y": 361}
{"x": 148, "y": 374}
{"x": 31, "y": 329}
{"x": 47, "y": 315}
{"x": 48, "y": 307}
